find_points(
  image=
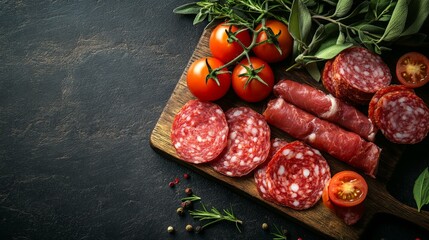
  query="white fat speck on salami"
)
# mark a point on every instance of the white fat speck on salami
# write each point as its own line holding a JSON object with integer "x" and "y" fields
{"x": 248, "y": 143}
{"x": 260, "y": 173}
{"x": 199, "y": 132}
{"x": 296, "y": 176}
{"x": 402, "y": 117}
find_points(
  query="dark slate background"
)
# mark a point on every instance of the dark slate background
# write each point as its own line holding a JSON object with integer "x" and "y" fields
{"x": 82, "y": 84}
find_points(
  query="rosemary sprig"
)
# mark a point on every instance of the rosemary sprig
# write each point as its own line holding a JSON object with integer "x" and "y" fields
{"x": 279, "y": 234}
{"x": 214, "y": 216}
{"x": 191, "y": 198}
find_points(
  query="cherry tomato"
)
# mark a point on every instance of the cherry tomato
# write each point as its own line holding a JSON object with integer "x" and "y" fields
{"x": 207, "y": 90}
{"x": 248, "y": 85}
{"x": 268, "y": 51}
{"x": 325, "y": 198}
{"x": 412, "y": 69}
{"x": 224, "y": 48}
{"x": 347, "y": 189}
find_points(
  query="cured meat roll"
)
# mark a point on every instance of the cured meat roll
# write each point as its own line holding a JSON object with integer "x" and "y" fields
{"x": 248, "y": 143}
{"x": 260, "y": 173}
{"x": 323, "y": 135}
{"x": 326, "y": 107}
{"x": 199, "y": 132}
{"x": 402, "y": 117}
{"x": 297, "y": 175}
{"x": 355, "y": 75}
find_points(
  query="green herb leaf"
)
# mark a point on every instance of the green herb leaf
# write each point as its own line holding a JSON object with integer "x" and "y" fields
{"x": 331, "y": 51}
{"x": 418, "y": 12}
{"x": 313, "y": 70}
{"x": 343, "y": 7}
{"x": 421, "y": 189}
{"x": 188, "y": 8}
{"x": 299, "y": 21}
{"x": 397, "y": 22}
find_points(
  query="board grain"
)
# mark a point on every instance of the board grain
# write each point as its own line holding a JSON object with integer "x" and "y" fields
{"x": 318, "y": 217}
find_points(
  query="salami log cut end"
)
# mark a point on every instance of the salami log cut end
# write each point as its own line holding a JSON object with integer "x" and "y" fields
{"x": 199, "y": 132}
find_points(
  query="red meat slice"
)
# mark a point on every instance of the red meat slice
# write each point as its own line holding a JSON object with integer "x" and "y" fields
{"x": 297, "y": 175}
{"x": 326, "y": 106}
{"x": 199, "y": 132}
{"x": 402, "y": 117}
{"x": 248, "y": 143}
{"x": 260, "y": 173}
{"x": 359, "y": 73}
{"x": 323, "y": 135}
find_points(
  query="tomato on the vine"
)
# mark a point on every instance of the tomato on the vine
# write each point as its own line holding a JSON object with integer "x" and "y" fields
{"x": 412, "y": 69}
{"x": 224, "y": 47}
{"x": 208, "y": 89}
{"x": 267, "y": 51}
{"x": 347, "y": 189}
{"x": 252, "y": 81}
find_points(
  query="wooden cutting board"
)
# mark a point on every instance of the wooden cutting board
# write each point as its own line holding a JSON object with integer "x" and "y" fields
{"x": 318, "y": 217}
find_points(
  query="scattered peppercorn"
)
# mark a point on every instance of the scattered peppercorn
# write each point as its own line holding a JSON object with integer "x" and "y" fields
{"x": 180, "y": 211}
{"x": 300, "y": 238}
{"x": 189, "y": 228}
{"x": 171, "y": 184}
{"x": 265, "y": 226}
{"x": 186, "y": 204}
{"x": 186, "y": 176}
{"x": 176, "y": 180}
{"x": 188, "y": 191}
{"x": 170, "y": 229}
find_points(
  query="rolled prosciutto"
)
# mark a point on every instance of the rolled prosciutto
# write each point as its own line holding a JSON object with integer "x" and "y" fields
{"x": 327, "y": 107}
{"x": 323, "y": 135}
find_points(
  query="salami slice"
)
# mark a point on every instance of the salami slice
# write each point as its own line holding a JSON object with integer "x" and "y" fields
{"x": 199, "y": 132}
{"x": 359, "y": 73}
{"x": 380, "y": 93}
{"x": 260, "y": 173}
{"x": 248, "y": 143}
{"x": 402, "y": 117}
{"x": 323, "y": 135}
{"x": 297, "y": 175}
{"x": 327, "y": 79}
{"x": 326, "y": 106}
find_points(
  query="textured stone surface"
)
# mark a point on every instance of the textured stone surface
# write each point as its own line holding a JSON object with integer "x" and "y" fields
{"x": 82, "y": 85}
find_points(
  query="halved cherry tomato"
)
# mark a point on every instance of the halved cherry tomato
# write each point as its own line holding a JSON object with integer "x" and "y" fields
{"x": 252, "y": 85}
{"x": 267, "y": 51}
{"x": 412, "y": 69}
{"x": 347, "y": 189}
{"x": 207, "y": 90}
{"x": 223, "y": 47}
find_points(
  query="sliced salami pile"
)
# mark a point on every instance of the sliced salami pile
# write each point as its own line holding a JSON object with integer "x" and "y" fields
{"x": 248, "y": 143}
{"x": 401, "y": 115}
{"x": 199, "y": 132}
{"x": 323, "y": 135}
{"x": 355, "y": 75}
{"x": 260, "y": 173}
{"x": 295, "y": 176}
{"x": 326, "y": 106}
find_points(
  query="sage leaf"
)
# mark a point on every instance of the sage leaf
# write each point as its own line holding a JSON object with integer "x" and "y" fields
{"x": 188, "y": 8}
{"x": 313, "y": 70}
{"x": 299, "y": 21}
{"x": 418, "y": 12}
{"x": 199, "y": 17}
{"x": 397, "y": 22}
{"x": 343, "y": 7}
{"x": 331, "y": 51}
{"x": 421, "y": 189}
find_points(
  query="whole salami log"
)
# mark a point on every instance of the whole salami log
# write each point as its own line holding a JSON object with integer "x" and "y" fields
{"x": 199, "y": 132}
{"x": 402, "y": 117}
{"x": 326, "y": 107}
{"x": 248, "y": 143}
{"x": 297, "y": 175}
{"x": 356, "y": 74}
{"x": 260, "y": 173}
{"x": 323, "y": 135}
